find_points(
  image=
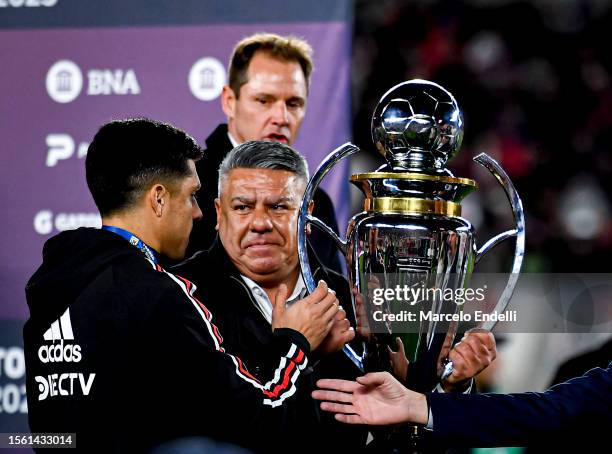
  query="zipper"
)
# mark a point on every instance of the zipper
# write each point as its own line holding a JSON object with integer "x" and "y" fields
{"x": 248, "y": 292}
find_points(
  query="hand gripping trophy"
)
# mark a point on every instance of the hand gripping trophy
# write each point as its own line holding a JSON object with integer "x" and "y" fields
{"x": 410, "y": 233}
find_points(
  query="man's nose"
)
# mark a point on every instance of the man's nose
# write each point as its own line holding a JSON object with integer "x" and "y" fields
{"x": 260, "y": 221}
{"x": 197, "y": 212}
{"x": 280, "y": 114}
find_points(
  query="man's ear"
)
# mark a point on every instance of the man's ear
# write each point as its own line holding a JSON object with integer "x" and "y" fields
{"x": 218, "y": 210}
{"x": 228, "y": 101}
{"x": 158, "y": 197}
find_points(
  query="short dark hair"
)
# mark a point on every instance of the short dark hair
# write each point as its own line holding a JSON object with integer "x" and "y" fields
{"x": 263, "y": 154}
{"x": 283, "y": 48}
{"x": 127, "y": 156}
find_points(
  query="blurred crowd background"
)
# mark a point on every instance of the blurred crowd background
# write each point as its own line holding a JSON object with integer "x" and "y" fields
{"x": 533, "y": 79}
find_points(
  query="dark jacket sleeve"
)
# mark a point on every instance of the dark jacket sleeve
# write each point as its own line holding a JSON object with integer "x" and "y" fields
{"x": 229, "y": 401}
{"x": 528, "y": 418}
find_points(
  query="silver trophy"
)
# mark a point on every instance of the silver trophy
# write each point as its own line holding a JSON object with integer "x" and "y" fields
{"x": 410, "y": 232}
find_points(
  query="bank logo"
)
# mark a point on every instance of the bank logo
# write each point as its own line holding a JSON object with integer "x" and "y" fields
{"x": 207, "y": 78}
{"x": 64, "y": 81}
{"x": 112, "y": 82}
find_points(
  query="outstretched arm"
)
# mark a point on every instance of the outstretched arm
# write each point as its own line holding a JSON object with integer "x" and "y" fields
{"x": 374, "y": 399}
{"x": 479, "y": 419}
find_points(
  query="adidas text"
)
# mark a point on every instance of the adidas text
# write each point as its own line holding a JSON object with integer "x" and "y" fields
{"x": 58, "y": 353}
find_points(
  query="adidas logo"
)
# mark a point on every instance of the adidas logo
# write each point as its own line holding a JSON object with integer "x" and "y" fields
{"x": 62, "y": 350}
{"x": 60, "y": 330}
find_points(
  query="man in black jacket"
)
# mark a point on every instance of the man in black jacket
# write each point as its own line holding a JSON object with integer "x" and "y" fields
{"x": 255, "y": 258}
{"x": 265, "y": 99}
{"x": 120, "y": 351}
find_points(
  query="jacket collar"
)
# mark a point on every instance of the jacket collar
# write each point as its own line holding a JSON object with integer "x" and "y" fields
{"x": 218, "y": 141}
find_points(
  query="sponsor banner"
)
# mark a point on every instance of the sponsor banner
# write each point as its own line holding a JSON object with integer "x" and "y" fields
{"x": 69, "y": 66}
{"x": 60, "y": 347}
{"x": 114, "y": 13}
{"x": 75, "y": 80}
{"x": 424, "y": 303}
{"x": 13, "y": 403}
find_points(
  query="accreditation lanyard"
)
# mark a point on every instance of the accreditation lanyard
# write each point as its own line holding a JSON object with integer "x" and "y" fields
{"x": 134, "y": 241}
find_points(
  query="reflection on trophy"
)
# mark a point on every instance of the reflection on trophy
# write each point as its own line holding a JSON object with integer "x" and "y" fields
{"x": 410, "y": 234}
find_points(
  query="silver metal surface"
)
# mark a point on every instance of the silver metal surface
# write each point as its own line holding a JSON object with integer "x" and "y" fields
{"x": 340, "y": 244}
{"x": 497, "y": 239}
{"x": 305, "y": 218}
{"x": 411, "y": 232}
{"x": 519, "y": 231}
{"x": 417, "y": 125}
{"x": 390, "y": 250}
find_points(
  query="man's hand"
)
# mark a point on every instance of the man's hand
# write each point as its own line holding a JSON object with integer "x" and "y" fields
{"x": 470, "y": 356}
{"x": 340, "y": 333}
{"x": 312, "y": 316}
{"x": 375, "y": 399}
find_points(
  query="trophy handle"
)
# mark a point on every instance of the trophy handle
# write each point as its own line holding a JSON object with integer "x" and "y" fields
{"x": 519, "y": 232}
{"x": 305, "y": 218}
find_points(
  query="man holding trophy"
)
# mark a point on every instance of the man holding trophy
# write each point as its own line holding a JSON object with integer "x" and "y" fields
{"x": 254, "y": 265}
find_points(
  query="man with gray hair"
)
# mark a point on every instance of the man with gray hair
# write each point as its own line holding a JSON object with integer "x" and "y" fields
{"x": 257, "y": 155}
{"x": 254, "y": 266}
{"x": 261, "y": 185}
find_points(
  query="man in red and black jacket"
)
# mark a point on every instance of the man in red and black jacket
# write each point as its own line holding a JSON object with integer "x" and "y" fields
{"x": 122, "y": 352}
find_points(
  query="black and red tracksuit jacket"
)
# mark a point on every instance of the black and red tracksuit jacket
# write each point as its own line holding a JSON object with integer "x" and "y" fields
{"x": 120, "y": 352}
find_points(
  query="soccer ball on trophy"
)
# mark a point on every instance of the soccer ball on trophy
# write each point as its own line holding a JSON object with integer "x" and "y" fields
{"x": 417, "y": 125}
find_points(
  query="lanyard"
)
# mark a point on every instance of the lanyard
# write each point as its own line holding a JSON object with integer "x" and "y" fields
{"x": 134, "y": 241}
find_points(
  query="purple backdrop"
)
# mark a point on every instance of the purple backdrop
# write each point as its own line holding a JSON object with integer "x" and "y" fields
{"x": 46, "y": 123}
{"x": 45, "y": 181}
